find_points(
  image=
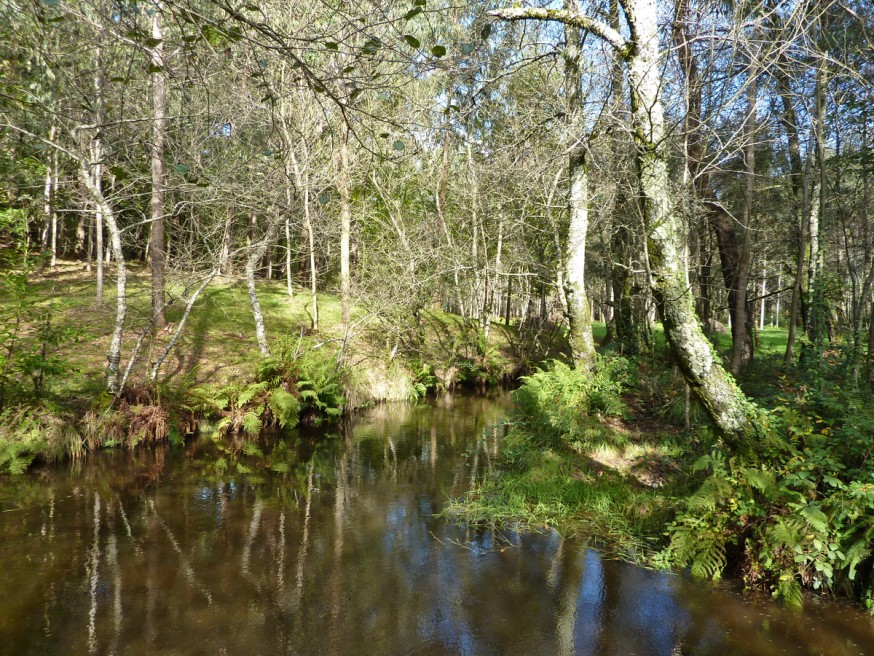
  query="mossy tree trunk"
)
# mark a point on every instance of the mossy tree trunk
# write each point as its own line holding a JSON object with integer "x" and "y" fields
{"x": 579, "y": 314}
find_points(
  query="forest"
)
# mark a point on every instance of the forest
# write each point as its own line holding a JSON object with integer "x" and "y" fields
{"x": 651, "y": 218}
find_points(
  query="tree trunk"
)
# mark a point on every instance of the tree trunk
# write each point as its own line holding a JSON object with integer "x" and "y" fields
{"x": 797, "y": 182}
{"x": 55, "y": 186}
{"x": 159, "y": 112}
{"x": 742, "y": 346}
{"x": 303, "y": 180}
{"x": 816, "y": 310}
{"x": 181, "y": 324}
{"x": 579, "y": 315}
{"x": 344, "y": 187}
{"x": 113, "y": 356}
{"x": 871, "y": 345}
{"x": 225, "y": 260}
{"x": 288, "y": 276}
{"x": 256, "y": 254}
{"x": 48, "y": 199}
{"x": 762, "y": 300}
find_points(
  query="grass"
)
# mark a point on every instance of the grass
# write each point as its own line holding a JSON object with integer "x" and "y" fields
{"x": 617, "y": 490}
{"x": 218, "y": 343}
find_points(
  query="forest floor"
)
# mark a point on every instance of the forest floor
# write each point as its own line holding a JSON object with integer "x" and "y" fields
{"x": 218, "y": 342}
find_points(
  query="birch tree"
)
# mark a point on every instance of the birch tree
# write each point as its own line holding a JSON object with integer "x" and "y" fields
{"x": 727, "y": 406}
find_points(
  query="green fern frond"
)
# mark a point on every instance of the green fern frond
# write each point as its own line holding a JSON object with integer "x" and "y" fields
{"x": 252, "y": 422}
{"x": 285, "y": 407}
{"x": 251, "y": 392}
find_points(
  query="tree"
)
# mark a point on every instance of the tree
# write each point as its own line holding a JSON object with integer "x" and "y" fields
{"x": 725, "y": 403}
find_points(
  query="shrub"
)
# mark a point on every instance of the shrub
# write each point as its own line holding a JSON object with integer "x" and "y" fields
{"x": 560, "y": 401}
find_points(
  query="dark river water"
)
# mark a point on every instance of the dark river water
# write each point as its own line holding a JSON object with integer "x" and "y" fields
{"x": 331, "y": 546}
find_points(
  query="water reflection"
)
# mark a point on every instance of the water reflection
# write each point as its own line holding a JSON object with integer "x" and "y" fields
{"x": 330, "y": 546}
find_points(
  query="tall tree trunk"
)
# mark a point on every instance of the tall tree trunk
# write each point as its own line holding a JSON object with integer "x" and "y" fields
{"x": 159, "y": 112}
{"x": 491, "y": 305}
{"x": 225, "y": 260}
{"x": 303, "y": 181}
{"x": 344, "y": 187}
{"x": 579, "y": 314}
{"x": 871, "y": 345}
{"x": 762, "y": 299}
{"x": 797, "y": 183}
{"x": 96, "y": 172}
{"x": 288, "y": 272}
{"x": 727, "y": 406}
{"x": 732, "y": 254}
{"x": 48, "y": 199}
{"x": 113, "y": 356}
{"x": 868, "y": 284}
{"x": 714, "y": 387}
{"x": 742, "y": 347}
{"x": 55, "y": 186}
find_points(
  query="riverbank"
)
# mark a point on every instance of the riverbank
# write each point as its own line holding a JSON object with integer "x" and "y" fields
{"x": 215, "y": 367}
{"x": 606, "y": 453}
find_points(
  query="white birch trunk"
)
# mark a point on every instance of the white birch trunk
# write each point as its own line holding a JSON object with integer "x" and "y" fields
{"x": 113, "y": 356}
{"x": 181, "y": 324}
{"x": 256, "y": 254}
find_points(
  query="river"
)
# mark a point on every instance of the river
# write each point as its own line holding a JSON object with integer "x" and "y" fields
{"x": 329, "y": 544}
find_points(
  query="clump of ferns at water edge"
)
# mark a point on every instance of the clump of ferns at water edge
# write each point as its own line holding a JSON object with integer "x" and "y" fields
{"x": 299, "y": 384}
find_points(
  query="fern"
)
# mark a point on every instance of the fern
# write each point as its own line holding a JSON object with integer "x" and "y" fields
{"x": 284, "y": 406}
{"x": 251, "y": 422}
{"x": 251, "y": 392}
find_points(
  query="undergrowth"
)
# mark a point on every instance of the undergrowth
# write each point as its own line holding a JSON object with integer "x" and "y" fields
{"x": 301, "y": 383}
{"x": 793, "y": 511}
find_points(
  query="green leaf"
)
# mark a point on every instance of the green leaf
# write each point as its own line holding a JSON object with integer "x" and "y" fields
{"x": 330, "y": 45}
{"x": 212, "y": 35}
{"x": 398, "y": 145}
{"x": 181, "y": 168}
{"x": 412, "y": 41}
{"x": 151, "y": 41}
{"x": 324, "y": 199}
{"x": 486, "y": 31}
{"x": 371, "y": 46}
{"x": 438, "y": 51}
{"x": 412, "y": 13}
{"x": 467, "y": 48}
{"x": 418, "y": 3}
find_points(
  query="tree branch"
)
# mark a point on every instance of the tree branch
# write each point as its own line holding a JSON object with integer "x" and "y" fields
{"x": 596, "y": 27}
